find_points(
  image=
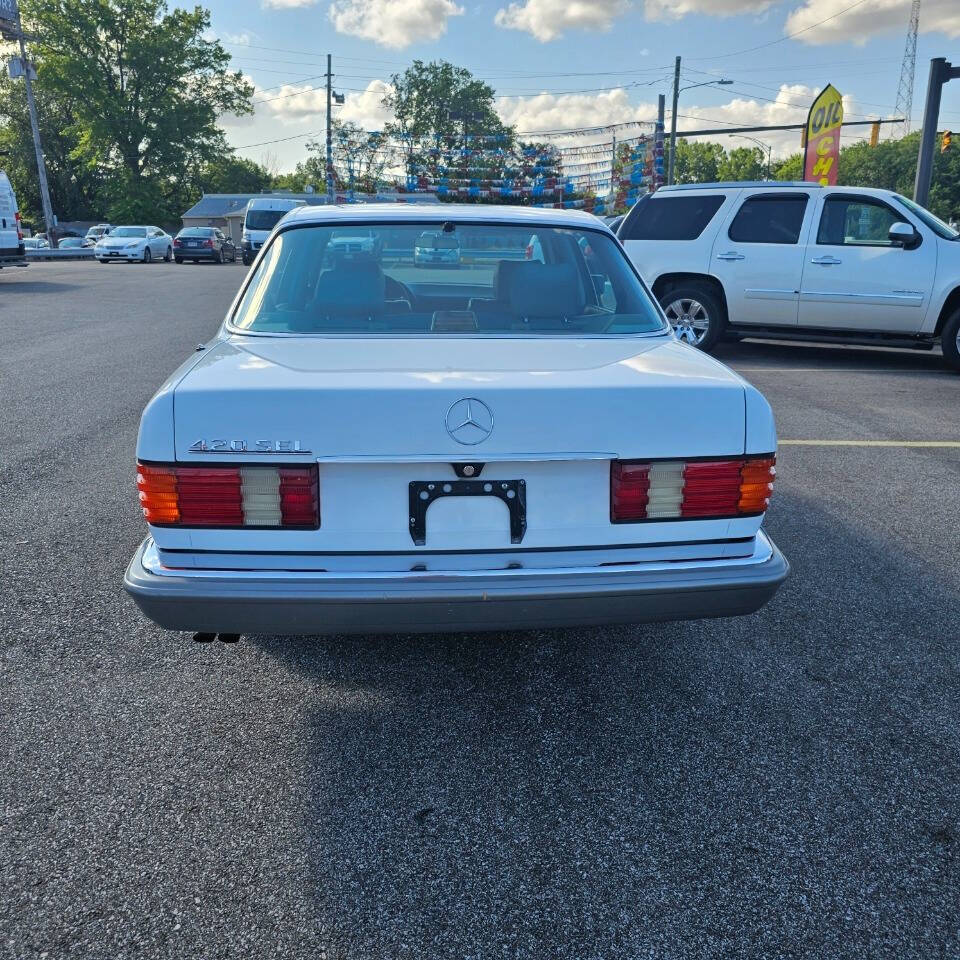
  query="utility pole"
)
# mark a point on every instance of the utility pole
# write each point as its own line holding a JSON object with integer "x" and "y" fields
{"x": 613, "y": 171}
{"x": 941, "y": 71}
{"x": 329, "y": 128}
{"x": 673, "y": 121}
{"x": 37, "y": 146}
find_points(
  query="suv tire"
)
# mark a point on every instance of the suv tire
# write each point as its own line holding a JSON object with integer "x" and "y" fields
{"x": 950, "y": 341}
{"x": 696, "y": 314}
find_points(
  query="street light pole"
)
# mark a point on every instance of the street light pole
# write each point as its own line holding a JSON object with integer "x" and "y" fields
{"x": 764, "y": 146}
{"x": 677, "y": 90}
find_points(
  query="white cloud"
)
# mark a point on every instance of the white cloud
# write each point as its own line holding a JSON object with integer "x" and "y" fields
{"x": 675, "y": 9}
{"x": 548, "y": 111}
{"x": 547, "y": 19}
{"x": 566, "y": 111}
{"x": 287, "y": 4}
{"x": 242, "y": 39}
{"x": 392, "y": 23}
{"x": 304, "y": 104}
{"x": 862, "y": 22}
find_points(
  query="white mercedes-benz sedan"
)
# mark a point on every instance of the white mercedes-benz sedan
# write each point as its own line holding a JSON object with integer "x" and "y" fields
{"x": 504, "y": 442}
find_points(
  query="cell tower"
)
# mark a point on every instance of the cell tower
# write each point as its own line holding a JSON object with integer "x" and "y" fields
{"x": 904, "y": 105}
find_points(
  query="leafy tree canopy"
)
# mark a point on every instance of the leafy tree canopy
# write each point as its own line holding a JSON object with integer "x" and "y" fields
{"x": 144, "y": 87}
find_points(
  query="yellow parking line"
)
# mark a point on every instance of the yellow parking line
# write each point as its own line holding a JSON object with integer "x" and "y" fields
{"x": 870, "y": 443}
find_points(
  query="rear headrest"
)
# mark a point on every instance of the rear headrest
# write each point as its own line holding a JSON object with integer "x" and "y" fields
{"x": 544, "y": 290}
{"x": 502, "y": 272}
{"x": 351, "y": 287}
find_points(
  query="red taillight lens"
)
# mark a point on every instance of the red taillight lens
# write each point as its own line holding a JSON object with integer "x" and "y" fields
{"x": 209, "y": 243}
{"x": 244, "y": 496}
{"x": 19, "y": 225}
{"x": 679, "y": 490}
{"x": 176, "y": 241}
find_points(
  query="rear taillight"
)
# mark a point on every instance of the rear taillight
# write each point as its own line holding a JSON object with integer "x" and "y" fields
{"x": 687, "y": 490}
{"x": 208, "y": 243}
{"x": 176, "y": 241}
{"x": 237, "y": 496}
{"x": 19, "y": 226}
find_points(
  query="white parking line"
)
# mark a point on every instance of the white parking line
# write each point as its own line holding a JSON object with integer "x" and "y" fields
{"x": 941, "y": 444}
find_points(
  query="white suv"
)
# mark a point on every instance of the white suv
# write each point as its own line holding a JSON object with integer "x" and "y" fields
{"x": 798, "y": 261}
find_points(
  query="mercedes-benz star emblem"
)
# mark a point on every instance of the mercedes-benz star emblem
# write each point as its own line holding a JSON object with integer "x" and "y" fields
{"x": 469, "y": 421}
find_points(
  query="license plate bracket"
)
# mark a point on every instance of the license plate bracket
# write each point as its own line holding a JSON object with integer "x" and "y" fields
{"x": 424, "y": 492}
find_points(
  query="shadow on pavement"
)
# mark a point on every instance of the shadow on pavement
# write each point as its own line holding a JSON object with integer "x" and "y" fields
{"x": 798, "y": 354}
{"x": 783, "y": 784}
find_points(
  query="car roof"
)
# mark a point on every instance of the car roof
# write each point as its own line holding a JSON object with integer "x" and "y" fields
{"x": 423, "y": 214}
{"x": 772, "y": 185}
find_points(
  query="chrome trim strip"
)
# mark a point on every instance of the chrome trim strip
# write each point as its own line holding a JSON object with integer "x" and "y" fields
{"x": 866, "y": 298}
{"x": 759, "y": 293}
{"x": 460, "y": 456}
{"x": 762, "y": 552}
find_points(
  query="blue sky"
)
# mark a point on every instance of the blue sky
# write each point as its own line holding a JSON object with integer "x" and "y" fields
{"x": 577, "y": 63}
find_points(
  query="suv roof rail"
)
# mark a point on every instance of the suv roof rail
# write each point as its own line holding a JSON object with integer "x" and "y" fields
{"x": 726, "y": 184}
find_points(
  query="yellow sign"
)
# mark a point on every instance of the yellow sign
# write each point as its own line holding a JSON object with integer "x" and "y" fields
{"x": 822, "y": 137}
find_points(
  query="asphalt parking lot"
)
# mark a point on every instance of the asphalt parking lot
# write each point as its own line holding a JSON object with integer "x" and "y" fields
{"x": 782, "y": 785}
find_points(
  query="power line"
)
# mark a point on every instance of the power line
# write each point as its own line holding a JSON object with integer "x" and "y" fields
{"x": 789, "y": 36}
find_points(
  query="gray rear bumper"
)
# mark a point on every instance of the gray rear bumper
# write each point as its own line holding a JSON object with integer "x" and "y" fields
{"x": 285, "y": 602}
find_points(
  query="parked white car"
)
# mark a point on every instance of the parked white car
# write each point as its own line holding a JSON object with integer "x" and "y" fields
{"x": 799, "y": 261}
{"x": 134, "y": 243}
{"x": 95, "y": 233}
{"x": 359, "y": 449}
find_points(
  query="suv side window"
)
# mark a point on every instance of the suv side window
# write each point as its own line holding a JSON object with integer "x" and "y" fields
{"x": 856, "y": 222}
{"x": 670, "y": 217}
{"x": 769, "y": 218}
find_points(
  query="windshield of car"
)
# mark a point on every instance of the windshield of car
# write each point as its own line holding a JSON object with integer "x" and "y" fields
{"x": 69, "y": 242}
{"x": 263, "y": 219}
{"x": 307, "y": 284}
{"x": 96, "y": 231}
{"x": 129, "y": 232}
{"x": 940, "y": 228}
{"x": 196, "y": 232}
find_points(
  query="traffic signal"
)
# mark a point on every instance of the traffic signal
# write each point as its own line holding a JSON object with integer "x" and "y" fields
{"x": 945, "y": 142}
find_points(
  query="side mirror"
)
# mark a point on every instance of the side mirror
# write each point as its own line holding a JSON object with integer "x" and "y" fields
{"x": 903, "y": 235}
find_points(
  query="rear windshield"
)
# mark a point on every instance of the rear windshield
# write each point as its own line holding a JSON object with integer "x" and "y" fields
{"x": 263, "y": 219}
{"x": 669, "y": 217}
{"x": 578, "y": 283}
{"x": 196, "y": 232}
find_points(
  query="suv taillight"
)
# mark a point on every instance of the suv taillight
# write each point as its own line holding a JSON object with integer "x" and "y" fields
{"x": 237, "y": 496}
{"x": 19, "y": 226}
{"x": 687, "y": 490}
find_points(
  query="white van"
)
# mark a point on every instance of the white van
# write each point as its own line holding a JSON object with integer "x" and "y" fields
{"x": 11, "y": 233}
{"x": 263, "y": 214}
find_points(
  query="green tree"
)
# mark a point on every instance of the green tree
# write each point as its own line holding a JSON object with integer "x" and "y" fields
{"x": 697, "y": 162}
{"x": 789, "y": 168}
{"x": 233, "y": 174}
{"x": 743, "y": 163}
{"x": 147, "y": 88}
{"x": 76, "y": 187}
{"x": 445, "y": 120}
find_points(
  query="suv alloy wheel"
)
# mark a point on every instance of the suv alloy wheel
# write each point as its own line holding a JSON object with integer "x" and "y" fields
{"x": 695, "y": 314}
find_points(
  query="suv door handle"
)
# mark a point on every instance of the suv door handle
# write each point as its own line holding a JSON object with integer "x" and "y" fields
{"x": 731, "y": 255}
{"x": 826, "y": 261}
